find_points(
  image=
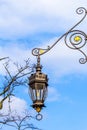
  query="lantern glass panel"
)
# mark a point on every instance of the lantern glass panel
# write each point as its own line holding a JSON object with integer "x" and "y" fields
{"x": 41, "y": 91}
{"x": 38, "y": 92}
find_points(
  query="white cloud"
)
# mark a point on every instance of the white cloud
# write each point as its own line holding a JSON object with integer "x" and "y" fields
{"x": 19, "y": 18}
{"x": 62, "y": 60}
{"x": 16, "y": 104}
{"x": 65, "y": 60}
{"x": 16, "y": 53}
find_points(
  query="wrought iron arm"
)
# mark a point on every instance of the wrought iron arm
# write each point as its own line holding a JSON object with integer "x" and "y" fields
{"x": 74, "y": 39}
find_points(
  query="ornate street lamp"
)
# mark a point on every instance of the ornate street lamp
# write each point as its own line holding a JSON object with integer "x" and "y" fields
{"x": 38, "y": 82}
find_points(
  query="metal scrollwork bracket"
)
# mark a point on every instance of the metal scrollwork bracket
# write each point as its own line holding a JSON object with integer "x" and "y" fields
{"x": 74, "y": 39}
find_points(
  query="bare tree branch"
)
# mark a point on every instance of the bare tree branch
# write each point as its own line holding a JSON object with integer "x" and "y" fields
{"x": 4, "y": 58}
{"x": 11, "y": 81}
{"x": 14, "y": 79}
{"x": 20, "y": 122}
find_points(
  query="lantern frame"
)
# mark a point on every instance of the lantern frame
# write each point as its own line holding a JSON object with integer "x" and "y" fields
{"x": 38, "y": 86}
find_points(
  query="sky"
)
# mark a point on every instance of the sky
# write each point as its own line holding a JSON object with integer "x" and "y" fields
{"x": 26, "y": 24}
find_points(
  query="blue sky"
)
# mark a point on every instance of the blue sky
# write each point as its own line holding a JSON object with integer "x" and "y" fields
{"x": 25, "y": 24}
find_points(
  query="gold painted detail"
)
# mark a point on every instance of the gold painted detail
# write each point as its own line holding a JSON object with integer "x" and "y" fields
{"x": 1, "y": 105}
{"x": 77, "y": 38}
{"x": 38, "y": 94}
{"x": 41, "y": 51}
{"x": 38, "y": 109}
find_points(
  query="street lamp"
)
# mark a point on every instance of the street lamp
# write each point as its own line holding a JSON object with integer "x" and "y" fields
{"x": 38, "y": 81}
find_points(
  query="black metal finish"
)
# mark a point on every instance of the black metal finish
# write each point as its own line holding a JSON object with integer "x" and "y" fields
{"x": 74, "y": 39}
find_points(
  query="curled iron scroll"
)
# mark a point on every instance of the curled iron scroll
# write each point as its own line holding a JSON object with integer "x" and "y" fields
{"x": 81, "y": 10}
{"x": 74, "y": 39}
{"x": 39, "y": 51}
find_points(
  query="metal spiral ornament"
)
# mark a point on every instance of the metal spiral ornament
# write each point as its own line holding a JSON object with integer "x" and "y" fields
{"x": 74, "y": 39}
{"x": 39, "y": 51}
{"x": 81, "y": 10}
{"x": 83, "y": 60}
